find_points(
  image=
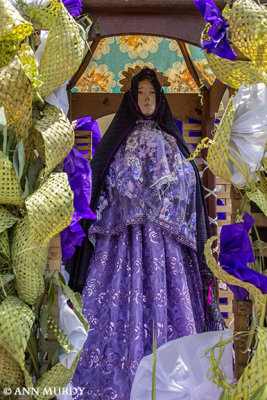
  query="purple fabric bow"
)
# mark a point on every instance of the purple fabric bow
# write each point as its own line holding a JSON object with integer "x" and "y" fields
{"x": 74, "y": 7}
{"x": 86, "y": 124}
{"x": 80, "y": 179}
{"x": 236, "y": 252}
{"x": 218, "y": 43}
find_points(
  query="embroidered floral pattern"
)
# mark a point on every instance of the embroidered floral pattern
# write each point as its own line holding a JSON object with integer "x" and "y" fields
{"x": 97, "y": 78}
{"x": 138, "y": 46}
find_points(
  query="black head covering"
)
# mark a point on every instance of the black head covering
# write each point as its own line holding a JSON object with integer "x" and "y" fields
{"x": 120, "y": 127}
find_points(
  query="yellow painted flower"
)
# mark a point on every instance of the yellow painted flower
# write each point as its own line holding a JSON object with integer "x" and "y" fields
{"x": 103, "y": 47}
{"x": 138, "y": 46}
{"x": 180, "y": 79}
{"x": 97, "y": 78}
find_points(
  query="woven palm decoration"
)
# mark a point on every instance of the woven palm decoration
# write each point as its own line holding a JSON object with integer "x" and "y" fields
{"x": 233, "y": 73}
{"x": 16, "y": 97}
{"x": 255, "y": 373}
{"x": 248, "y": 27}
{"x": 11, "y": 373}
{"x": 257, "y": 296}
{"x": 7, "y": 219}
{"x": 10, "y": 190}
{"x": 29, "y": 262}
{"x": 8, "y": 50}
{"x": 63, "y": 52}
{"x": 53, "y": 137}
{"x": 218, "y": 154}
{"x": 45, "y": 15}
{"x": 7, "y": 276}
{"x": 4, "y": 250}
{"x": 50, "y": 208}
{"x": 258, "y": 195}
{"x": 57, "y": 377}
{"x": 16, "y": 320}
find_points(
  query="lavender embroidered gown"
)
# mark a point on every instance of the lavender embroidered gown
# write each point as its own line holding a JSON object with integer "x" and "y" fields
{"x": 144, "y": 267}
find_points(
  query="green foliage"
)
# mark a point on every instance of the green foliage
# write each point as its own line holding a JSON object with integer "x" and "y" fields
{"x": 215, "y": 374}
{"x": 35, "y": 166}
{"x": 43, "y": 322}
{"x": 3, "y": 128}
{"x": 84, "y": 24}
{"x": 225, "y": 394}
{"x": 19, "y": 159}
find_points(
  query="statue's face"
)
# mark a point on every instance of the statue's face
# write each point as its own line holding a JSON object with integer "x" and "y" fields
{"x": 146, "y": 97}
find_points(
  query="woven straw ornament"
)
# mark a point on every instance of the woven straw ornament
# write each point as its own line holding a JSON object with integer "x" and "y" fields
{"x": 248, "y": 28}
{"x": 257, "y": 296}
{"x": 4, "y": 249}
{"x": 16, "y": 97}
{"x": 258, "y": 195}
{"x": 45, "y": 15}
{"x": 255, "y": 373}
{"x": 63, "y": 53}
{"x": 53, "y": 136}
{"x": 6, "y": 273}
{"x": 16, "y": 320}
{"x": 50, "y": 208}
{"x": 8, "y": 51}
{"x": 10, "y": 190}
{"x": 29, "y": 262}
{"x": 11, "y": 373}
{"x": 57, "y": 377}
{"x": 7, "y": 219}
{"x": 232, "y": 73}
{"x": 49, "y": 211}
{"x": 218, "y": 153}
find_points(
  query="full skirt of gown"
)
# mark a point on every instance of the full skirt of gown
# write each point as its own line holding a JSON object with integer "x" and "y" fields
{"x": 139, "y": 278}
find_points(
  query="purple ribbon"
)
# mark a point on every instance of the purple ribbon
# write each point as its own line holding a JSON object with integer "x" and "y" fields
{"x": 236, "y": 252}
{"x": 74, "y": 7}
{"x": 86, "y": 124}
{"x": 218, "y": 43}
{"x": 80, "y": 179}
